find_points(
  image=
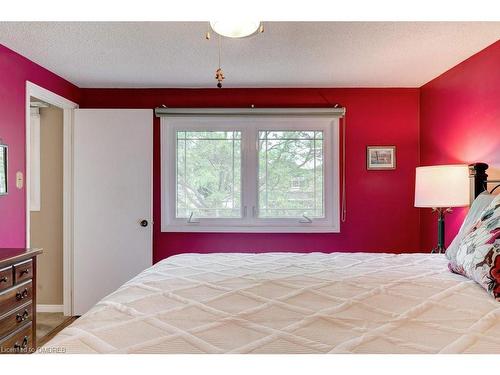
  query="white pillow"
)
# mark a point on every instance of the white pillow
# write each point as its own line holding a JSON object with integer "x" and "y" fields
{"x": 482, "y": 201}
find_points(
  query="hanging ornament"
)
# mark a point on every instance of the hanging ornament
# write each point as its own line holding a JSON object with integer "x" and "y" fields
{"x": 219, "y": 76}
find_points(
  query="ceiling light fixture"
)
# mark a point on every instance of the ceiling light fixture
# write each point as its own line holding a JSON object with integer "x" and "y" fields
{"x": 236, "y": 29}
{"x": 232, "y": 29}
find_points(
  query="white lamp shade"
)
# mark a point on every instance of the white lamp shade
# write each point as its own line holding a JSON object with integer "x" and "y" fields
{"x": 442, "y": 186}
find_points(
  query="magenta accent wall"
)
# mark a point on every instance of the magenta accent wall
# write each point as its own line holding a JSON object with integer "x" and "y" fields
{"x": 381, "y": 216}
{"x": 460, "y": 123}
{"x": 15, "y": 70}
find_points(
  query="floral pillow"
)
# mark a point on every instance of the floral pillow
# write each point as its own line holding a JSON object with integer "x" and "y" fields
{"x": 478, "y": 255}
{"x": 482, "y": 201}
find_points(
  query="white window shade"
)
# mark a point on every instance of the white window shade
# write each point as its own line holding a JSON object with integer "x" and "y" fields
{"x": 442, "y": 186}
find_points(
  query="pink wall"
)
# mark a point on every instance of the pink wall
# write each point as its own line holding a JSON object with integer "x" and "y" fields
{"x": 375, "y": 116}
{"x": 381, "y": 216}
{"x": 454, "y": 118}
{"x": 460, "y": 123}
{"x": 15, "y": 70}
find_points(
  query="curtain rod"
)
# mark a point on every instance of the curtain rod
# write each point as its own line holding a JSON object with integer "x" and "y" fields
{"x": 165, "y": 111}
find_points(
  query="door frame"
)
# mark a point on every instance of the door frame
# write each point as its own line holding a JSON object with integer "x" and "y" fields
{"x": 68, "y": 108}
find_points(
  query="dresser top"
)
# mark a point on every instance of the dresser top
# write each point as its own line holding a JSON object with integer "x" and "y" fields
{"x": 8, "y": 256}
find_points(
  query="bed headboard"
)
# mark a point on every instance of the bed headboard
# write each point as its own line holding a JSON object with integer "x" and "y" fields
{"x": 479, "y": 179}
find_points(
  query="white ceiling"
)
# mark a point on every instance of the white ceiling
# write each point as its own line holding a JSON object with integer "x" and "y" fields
{"x": 288, "y": 54}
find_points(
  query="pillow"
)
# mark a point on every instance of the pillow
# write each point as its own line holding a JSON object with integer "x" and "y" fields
{"x": 478, "y": 255}
{"x": 482, "y": 201}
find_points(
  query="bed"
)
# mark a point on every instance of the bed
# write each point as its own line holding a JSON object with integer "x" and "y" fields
{"x": 292, "y": 303}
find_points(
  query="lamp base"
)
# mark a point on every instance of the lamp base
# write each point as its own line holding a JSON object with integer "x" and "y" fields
{"x": 438, "y": 250}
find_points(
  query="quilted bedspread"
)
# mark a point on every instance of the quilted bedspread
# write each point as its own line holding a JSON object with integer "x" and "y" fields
{"x": 291, "y": 303}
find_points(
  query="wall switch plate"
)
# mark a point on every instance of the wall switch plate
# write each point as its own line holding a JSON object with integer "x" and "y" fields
{"x": 19, "y": 180}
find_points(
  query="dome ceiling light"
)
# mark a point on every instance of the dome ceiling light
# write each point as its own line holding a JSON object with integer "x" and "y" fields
{"x": 232, "y": 29}
{"x": 236, "y": 29}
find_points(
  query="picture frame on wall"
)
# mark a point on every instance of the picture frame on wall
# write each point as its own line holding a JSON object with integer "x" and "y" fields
{"x": 3, "y": 169}
{"x": 380, "y": 158}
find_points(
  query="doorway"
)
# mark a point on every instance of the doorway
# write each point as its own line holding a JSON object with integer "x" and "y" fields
{"x": 48, "y": 202}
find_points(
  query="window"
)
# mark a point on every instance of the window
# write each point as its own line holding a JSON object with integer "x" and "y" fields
{"x": 295, "y": 156}
{"x": 250, "y": 174}
{"x": 208, "y": 174}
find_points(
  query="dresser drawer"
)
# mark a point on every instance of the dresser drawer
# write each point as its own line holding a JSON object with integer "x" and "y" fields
{"x": 18, "y": 342}
{"x": 23, "y": 271}
{"x": 6, "y": 278}
{"x": 15, "y": 297}
{"x": 15, "y": 319}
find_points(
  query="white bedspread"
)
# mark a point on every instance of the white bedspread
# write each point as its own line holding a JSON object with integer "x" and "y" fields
{"x": 291, "y": 303}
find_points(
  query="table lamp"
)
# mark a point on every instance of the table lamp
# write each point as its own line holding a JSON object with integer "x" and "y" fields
{"x": 441, "y": 187}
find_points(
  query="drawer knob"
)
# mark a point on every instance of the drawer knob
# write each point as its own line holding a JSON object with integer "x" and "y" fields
{"x": 23, "y": 345}
{"x": 24, "y": 272}
{"x": 21, "y": 318}
{"x": 4, "y": 279}
{"x": 22, "y": 295}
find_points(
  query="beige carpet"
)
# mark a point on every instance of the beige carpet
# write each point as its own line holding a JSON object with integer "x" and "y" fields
{"x": 47, "y": 322}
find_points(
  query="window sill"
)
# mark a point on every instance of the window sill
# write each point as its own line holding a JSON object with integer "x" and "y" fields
{"x": 246, "y": 229}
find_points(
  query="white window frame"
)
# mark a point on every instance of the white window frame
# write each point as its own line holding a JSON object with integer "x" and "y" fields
{"x": 250, "y": 126}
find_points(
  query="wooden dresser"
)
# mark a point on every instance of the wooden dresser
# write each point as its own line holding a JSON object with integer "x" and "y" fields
{"x": 18, "y": 300}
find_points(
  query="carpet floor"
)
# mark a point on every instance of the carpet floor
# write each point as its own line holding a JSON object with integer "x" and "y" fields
{"x": 48, "y": 322}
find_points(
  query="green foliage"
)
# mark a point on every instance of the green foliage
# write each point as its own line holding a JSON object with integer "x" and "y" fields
{"x": 290, "y": 174}
{"x": 208, "y": 174}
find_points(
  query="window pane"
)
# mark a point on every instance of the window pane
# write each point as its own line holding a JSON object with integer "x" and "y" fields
{"x": 208, "y": 174}
{"x": 291, "y": 174}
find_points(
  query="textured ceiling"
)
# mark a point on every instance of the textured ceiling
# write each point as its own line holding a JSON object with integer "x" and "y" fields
{"x": 298, "y": 54}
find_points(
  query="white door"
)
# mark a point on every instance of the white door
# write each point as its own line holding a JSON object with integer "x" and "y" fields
{"x": 113, "y": 156}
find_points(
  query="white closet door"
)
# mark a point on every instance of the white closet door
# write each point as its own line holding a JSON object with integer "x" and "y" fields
{"x": 113, "y": 156}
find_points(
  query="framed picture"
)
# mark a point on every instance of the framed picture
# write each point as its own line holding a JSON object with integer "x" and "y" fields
{"x": 380, "y": 157}
{"x": 3, "y": 169}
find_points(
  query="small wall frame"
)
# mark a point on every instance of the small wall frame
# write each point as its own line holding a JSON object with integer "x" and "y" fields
{"x": 380, "y": 158}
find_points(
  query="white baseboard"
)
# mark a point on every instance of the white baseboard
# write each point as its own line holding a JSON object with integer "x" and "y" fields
{"x": 50, "y": 308}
